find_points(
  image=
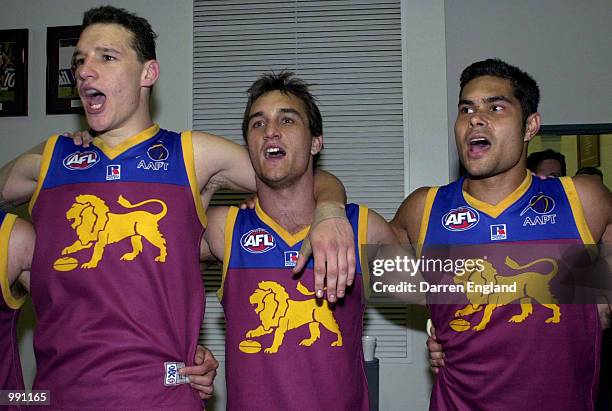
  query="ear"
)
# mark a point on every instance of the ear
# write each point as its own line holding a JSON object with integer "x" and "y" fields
{"x": 150, "y": 73}
{"x": 532, "y": 126}
{"x": 316, "y": 145}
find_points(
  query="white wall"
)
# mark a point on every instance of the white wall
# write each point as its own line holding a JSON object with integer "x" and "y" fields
{"x": 563, "y": 44}
{"x": 172, "y": 20}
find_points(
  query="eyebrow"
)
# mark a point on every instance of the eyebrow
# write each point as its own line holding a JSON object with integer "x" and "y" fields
{"x": 282, "y": 110}
{"x": 98, "y": 49}
{"x": 486, "y": 100}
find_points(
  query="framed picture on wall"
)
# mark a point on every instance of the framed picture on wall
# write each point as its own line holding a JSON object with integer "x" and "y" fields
{"x": 588, "y": 150}
{"x": 13, "y": 72}
{"x": 62, "y": 93}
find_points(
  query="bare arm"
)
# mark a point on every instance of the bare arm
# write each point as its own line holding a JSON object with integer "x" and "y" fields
{"x": 212, "y": 246}
{"x": 20, "y": 250}
{"x": 18, "y": 177}
{"x": 596, "y": 202}
{"x": 407, "y": 221}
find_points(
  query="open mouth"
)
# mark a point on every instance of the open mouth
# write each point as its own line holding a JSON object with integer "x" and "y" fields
{"x": 479, "y": 144}
{"x": 94, "y": 99}
{"x": 274, "y": 153}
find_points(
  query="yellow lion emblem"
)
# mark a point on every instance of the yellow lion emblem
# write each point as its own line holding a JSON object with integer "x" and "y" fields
{"x": 529, "y": 285}
{"x": 96, "y": 225}
{"x": 279, "y": 314}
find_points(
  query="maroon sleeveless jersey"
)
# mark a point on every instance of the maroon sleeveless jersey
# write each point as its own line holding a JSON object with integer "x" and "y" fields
{"x": 116, "y": 281}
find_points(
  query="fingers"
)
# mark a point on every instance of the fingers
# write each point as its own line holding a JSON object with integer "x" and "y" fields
{"x": 303, "y": 256}
{"x": 80, "y": 138}
{"x": 248, "y": 202}
{"x": 199, "y": 355}
{"x": 331, "y": 277}
{"x": 205, "y": 392}
{"x": 319, "y": 276}
{"x": 351, "y": 267}
{"x": 436, "y": 355}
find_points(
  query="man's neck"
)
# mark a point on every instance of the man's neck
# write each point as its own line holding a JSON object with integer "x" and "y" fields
{"x": 291, "y": 207}
{"x": 137, "y": 123}
{"x": 493, "y": 190}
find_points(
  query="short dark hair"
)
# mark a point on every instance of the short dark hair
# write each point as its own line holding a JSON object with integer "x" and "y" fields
{"x": 285, "y": 82}
{"x": 593, "y": 171}
{"x": 524, "y": 87}
{"x": 143, "y": 41}
{"x": 537, "y": 157}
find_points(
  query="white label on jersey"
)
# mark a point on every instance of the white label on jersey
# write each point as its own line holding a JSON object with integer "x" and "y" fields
{"x": 172, "y": 376}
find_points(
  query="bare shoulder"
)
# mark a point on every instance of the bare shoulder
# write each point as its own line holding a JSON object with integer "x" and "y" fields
{"x": 407, "y": 220}
{"x": 379, "y": 230}
{"x": 596, "y": 201}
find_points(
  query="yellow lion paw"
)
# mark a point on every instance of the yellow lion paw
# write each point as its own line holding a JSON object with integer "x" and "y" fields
{"x": 553, "y": 320}
{"x": 271, "y": 350}
{"x": 89, "y": 265}
{"x": 160, "y": 259}
{"x": 306, "y": 342}
{"x": 517, "y": 319}
{"x": 479, "y": 327}
{"x": 337, "y": 344}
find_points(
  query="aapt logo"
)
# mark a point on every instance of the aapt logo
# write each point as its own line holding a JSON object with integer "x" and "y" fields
{"x": 81, "y": 160}
{"x": 460, "y": 219}
{"x": 257, "y": 241}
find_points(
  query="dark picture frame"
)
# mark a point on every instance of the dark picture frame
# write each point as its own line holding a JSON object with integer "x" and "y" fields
{"x": 62, "y": 94}
{"x": 588, "y": 150}
{"x": 13, "y": 72}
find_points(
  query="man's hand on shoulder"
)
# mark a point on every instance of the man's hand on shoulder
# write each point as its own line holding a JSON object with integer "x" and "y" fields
{"x": 331, "y": 240}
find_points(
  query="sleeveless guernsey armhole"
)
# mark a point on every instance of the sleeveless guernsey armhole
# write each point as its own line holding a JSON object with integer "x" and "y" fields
{"x": 362, "y": 239}
{"x": 187, "y": 145}
{"x": 577, "y": 211}
{"x": 5, "y": 234}
{"x": 230, "y": 221}
{"x": 429, "y": 199}
{"x": 44, "y": 168}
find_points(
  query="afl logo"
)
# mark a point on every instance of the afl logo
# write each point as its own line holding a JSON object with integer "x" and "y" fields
{"x": 460, "y": 219}
{"x": 257, "y": 241}
{"x": 540, "y": 204}
{"x": 158, "y": 152}
{"x": 81, "y": 160}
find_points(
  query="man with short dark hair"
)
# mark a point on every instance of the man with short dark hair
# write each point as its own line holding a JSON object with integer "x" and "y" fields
{"x": 498, "y": 356}
{"x": 547, "y": 163}
{"x": 116, "y": 280}
{"x": 284, "y": 350}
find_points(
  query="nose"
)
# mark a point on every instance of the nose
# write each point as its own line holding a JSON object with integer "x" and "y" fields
{"x": 85, "y": 70}
{"x": 477, "y": 119}
{"x": 271, "y": 130}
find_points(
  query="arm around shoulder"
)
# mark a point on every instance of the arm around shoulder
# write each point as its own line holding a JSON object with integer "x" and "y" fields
{"x": 221, "y": 163}
{"x": 18, "y": 178}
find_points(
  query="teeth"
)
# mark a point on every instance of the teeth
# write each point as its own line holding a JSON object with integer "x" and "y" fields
{"x": 91, "y": 91}
{"x": 96, "y": 106}
{"x": 273, "y": 150}
{"x": 478, "y": 140}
